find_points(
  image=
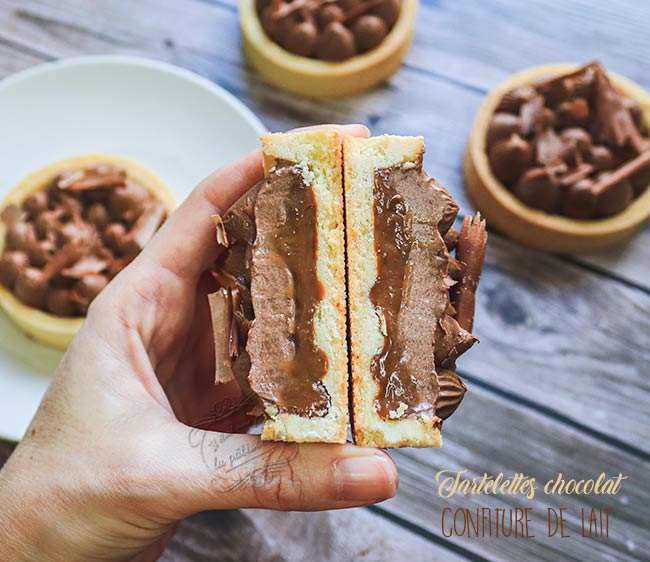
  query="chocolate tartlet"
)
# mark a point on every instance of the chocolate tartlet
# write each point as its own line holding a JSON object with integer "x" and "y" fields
{"x": 559, "y": 158}
{"x": 326, "y": 49}
{"x": 279, "y": 317}
{"x": 66, "y": 231}
{"x": 411, "y": 302}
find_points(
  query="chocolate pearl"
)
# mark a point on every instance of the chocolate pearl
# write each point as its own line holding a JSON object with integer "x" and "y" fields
{"x": 369, "y": 31}
{"x": 614, "y": 199}
{"x": 580, "y": 137}
{"x": 71, "y": 206}
{"x": 388, "y": 11}
{"x": 572, "y": 113}
{"x": 538, "y": 189}
{"x": 113, "y": 235}
{"x": 601, "y": 157}
{"x": 45, "y": 223}
{"x": 510, "y": 157}
{"x": 335, "y": 43}
{"x": 635, "y": 110}
{"x": 502, "y": 126}
{"x": 61, "y": 302}
{"x": 347, "y": 5}
{"x": 579, "y": 201}
{"x": 36, "y": 203}
{"x": 126, "y": 203}
{"x": 11, "y": 264}
{"x": 31, "y": 287}
{"x": 20, "y": 235}
{"x": 548, "y": 118}
{"x": 327, "y": 13}
{"x": 300, "y": 38}
{"x": 512, "y": 101}
{"x": 274, "y": 27}
{"x": 97, "y": 214}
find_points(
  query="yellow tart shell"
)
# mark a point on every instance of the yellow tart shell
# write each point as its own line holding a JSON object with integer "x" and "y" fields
{"x": 533, "y": 228}
{"x": 321, "y": 79}
{"x": 51, "y": 330}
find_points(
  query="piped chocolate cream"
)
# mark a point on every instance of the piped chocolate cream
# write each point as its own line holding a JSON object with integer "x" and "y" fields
{"x": 66, "y": 241}
{"x": 424, "y": 328}
{"x": 273, "y": 292}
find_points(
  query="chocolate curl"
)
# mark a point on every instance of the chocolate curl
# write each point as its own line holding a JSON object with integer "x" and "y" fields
{"x": 144, "y": 228}
{"x": 103, "y": 176}
{"x": 222, "y": 235}
{"x": 614, "y": 124}
{"x": 451, "y": 239}
{"x": 471, "y": 254}
{"x": 221, "y": 314}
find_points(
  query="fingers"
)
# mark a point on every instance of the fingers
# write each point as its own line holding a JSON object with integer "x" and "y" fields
{"x": 221, "y": 471}
{"x": 186, "y": 242}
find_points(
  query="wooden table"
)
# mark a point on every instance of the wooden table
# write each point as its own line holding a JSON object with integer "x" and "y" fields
{"x": 560, "y": 381}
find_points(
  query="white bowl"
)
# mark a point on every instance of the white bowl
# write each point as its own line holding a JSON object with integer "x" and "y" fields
{"x": 176, "y": 123}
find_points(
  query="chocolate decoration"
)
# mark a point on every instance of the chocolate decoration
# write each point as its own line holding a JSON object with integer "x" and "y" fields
{"x": 60, "y": 246}
{"x": 579, "y": 200}
{"x": 300, "y": 38}
{"x": 538, "y": 188}
{"x": 450, "y": 394}
{"x": 501, "y": 127}
{"x": 583, "y": 131}
{"x": 512, "y": 101}
{"x": 329, "y": 30}
{"x": 388, "y": 10}
{"x": 510, "y": 157}
{"x": 369, "y": 30}
{"x": 335, "y": 43}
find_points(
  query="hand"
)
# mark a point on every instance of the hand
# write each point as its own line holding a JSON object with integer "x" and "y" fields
{"x": 111, "y": 461}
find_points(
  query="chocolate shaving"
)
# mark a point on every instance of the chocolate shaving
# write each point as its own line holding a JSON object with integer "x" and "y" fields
{"x": 471, "y": 254}
{"x": 222, "y": 235}
{"x": 613, "y": 123}
{"x": 220, "y": 313}
{"x": 622, "y": 173}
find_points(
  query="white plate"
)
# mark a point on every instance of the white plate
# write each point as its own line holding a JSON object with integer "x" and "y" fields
{"x": 177, "y": 123}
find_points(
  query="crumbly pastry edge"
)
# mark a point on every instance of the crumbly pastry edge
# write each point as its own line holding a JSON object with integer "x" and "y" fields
{"x": 362, "y": 157}
{"x": 318, "y": 152}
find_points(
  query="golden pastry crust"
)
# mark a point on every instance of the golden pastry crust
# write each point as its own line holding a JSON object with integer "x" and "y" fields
{"x": 361, "y": 158}
{"x": 58, "y": 331}
{"x": 320, "y": 154}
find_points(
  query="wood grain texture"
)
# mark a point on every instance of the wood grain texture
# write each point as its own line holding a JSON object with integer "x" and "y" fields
{"x": 540, "y": 447}
{"x": 263, "y": 536}
{"x": 559, "y": 381}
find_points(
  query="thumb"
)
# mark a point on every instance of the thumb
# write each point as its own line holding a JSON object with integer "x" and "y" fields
{"x": 210, "y": 470}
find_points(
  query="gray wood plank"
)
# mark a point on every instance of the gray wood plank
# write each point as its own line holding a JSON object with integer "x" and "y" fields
{"x": 491, "y": 434}
{"x": 523, "y": 323}
{"x": 266, "y": 536}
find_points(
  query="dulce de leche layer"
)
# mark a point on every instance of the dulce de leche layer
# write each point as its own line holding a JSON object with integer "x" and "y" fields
{"x": 274, "y": 291}
{"x": 423, "y": 332}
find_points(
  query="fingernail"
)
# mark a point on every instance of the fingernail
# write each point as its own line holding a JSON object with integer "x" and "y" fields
{"x": 365, "y": 478}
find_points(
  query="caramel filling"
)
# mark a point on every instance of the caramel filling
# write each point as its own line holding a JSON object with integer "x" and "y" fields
{"x": 278, "y": 293}
{"x": 412, "y": 213}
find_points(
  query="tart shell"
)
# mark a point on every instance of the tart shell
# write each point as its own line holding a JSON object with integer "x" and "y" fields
{"x": 51, "y": 330}
{"x": 533, "y": 228}
{"x": 321, "y": 79}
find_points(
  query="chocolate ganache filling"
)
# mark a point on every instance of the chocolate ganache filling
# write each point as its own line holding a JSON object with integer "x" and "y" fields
{"x": 423, "y": 336}
{"x": 274, "y": 292}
